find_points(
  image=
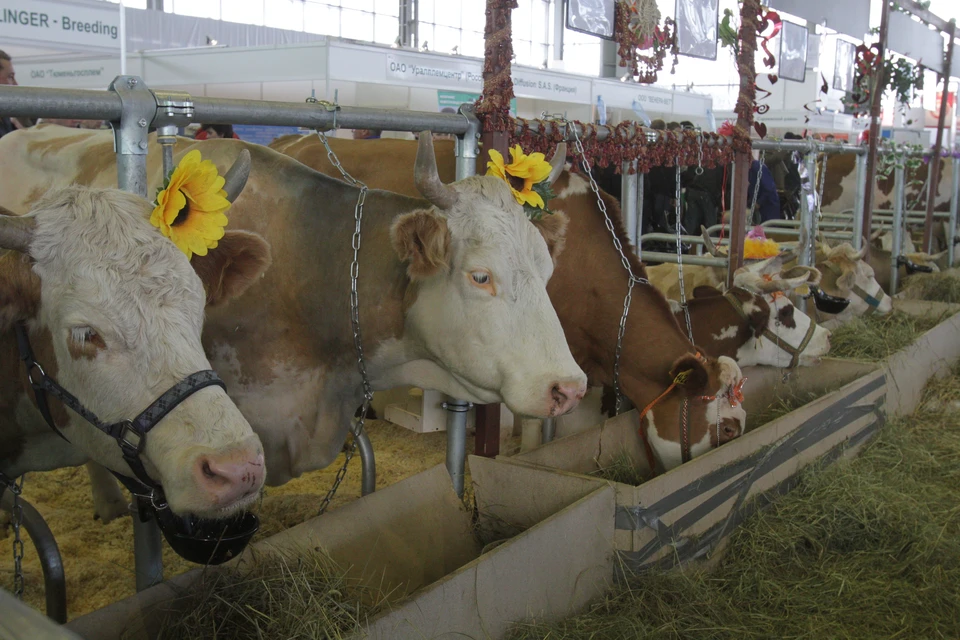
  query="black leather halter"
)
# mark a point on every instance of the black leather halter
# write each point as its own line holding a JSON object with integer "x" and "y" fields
{"x": 131, "y": 435}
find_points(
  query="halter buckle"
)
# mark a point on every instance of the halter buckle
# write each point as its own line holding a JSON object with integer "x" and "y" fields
{"x": 43, "y": 374}
{"x": 130, "y": 440}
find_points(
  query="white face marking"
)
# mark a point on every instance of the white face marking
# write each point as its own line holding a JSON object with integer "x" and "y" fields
{"x": 519, "y": 351}
{"x": 575, "y": 186}
{"x": 105, "y": 271}
{"x": 726, "y": 333}
{"x": 769, "y": 352}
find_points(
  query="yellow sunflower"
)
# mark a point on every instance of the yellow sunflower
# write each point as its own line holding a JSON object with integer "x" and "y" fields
{"x": 521, "y": 174}
{"x": 190, "y": 209}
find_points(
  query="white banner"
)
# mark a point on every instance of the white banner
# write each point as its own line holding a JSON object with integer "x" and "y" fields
{"x": 442, "y": 73}
{"x": 851, "y": 17}
{"x": 80, "y": 74}
{"x": 63, "y": 24}
{"x": 915, "y": 40}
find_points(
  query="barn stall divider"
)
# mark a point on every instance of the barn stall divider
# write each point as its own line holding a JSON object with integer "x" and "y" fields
{"x": 579, "y": 533}
{"x": 134, "y": 110}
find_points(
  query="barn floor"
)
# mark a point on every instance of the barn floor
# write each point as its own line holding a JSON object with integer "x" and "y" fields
{"x": 98, "y": 558}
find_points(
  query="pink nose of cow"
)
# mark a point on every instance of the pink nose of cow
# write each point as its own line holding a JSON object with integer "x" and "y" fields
{"x": 565, "y": 396}
{"x": 228, "y": 478}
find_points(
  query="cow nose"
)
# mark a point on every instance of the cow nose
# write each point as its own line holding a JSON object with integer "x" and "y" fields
{"x": 729, "y": 429}
{"x": 565, "y": 395}
{"x": 228, "y": 478}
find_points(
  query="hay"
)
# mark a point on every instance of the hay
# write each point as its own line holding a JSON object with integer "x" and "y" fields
{"x": 98, "y": 558}
{"x": 875, "y": 338}
{"x": 303, "y": 595}
{"x": 866, "y": 548}
{"x": 784, "y": 404}
{"x": 622, "y": 469}
{"x": 937, "y": 287}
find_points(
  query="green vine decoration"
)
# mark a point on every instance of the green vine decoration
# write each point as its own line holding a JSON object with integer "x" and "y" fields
{"x": 899, "y": 75}
{"x": 910, "y": 156}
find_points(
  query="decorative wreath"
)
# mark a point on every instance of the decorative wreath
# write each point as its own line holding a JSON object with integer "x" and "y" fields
{"x": 527, "y": 177}
{"x": 637, "y": 27}
{"x": 191, "y": 206}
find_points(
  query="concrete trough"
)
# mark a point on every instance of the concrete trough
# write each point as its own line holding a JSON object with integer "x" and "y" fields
{"x": 416, "y": 540}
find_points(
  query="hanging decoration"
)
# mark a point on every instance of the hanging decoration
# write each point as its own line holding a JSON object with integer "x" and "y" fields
{"x": 191, "y": 206}
{"x": 899, "y": 75}
{"x": 637, "y": 28}
{"x": 493, "y": 107}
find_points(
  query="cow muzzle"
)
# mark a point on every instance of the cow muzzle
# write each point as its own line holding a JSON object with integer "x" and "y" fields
{"x": 565, "y": 396}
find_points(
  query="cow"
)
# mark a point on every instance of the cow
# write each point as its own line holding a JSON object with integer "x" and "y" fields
{"x": 451, "y": 290}
{"x": 881, "y": 255}
{"x": 755, "y": 322}
{"x": 587, "y": 290}
{"x": 840, "y": 186}
{"x": 113, "y": 312}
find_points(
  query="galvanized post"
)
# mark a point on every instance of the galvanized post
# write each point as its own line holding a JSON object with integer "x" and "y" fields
{"x": 628, "y": 197}
{"x": 139, "y": 109}
{"x": 467, "y": 151}
{"x": 896, "y": 250}
{"x": 639, "y": 230}
{"x": 368, "y": 462}
{"x": 548, "y": 430}
{"x": 807, "y": 255}
{"x": 858, "y": 201}
{"x": 954, "y": 195}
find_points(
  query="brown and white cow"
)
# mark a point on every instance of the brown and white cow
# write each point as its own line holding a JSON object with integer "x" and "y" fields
{"x": 587, "y": 291}
{"x": 114, "y": 312}
{"x": 452, "y": 290}
{"x": 840, "y": 185}
{"x": 755, "y": 322}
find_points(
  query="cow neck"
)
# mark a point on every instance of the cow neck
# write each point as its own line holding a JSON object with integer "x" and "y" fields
{"x": 590, "y": 266}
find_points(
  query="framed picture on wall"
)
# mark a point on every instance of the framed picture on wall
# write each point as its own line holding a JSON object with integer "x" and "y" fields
{"x": 697, "y": 28}
{"x": 793, "y": 52}
{"x": 844, "y": 66}
{"x": 593, "y": 17}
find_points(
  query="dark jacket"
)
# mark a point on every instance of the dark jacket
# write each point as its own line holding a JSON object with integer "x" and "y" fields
{"x": 768, "y": 202}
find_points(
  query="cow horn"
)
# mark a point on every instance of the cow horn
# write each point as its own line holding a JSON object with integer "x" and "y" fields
{"x": 426, "y": 177}
{"x": 860, "y": 255}
{"x": 557, "y": 162}
{"x": 876, "y": 234}
{"x": 236, "y": 178}
{"x": 708, "y": 243}
{"x": 16, "y": 232}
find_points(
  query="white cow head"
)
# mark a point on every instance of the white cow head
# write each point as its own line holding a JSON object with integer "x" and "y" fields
{"x": 847, "y": 275}
{"x": 124, "y": 309}
{"x": 787, "y": 332}
{"x": 480, "y": 270}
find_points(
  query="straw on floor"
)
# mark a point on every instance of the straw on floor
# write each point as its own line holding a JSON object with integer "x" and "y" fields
{"x": 874, "y": 338}
{"x": 866, "y": 548}
{"x": 937, "y": 287}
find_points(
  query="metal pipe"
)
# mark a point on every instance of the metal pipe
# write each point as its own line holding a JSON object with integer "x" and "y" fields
{"x": 933, "y": 174}
{"x": 166, "y": 137}
{"x": 635, "y": 238}
{"x": 51, "y": 563}
{"x": 806, "y": 146}
{"x": 368, "y": 462}
{"x": 60, "y": 103}
{"x": 549, "y": 430}
{"x": 954, "y": 196}
{"x": 707, "y": 261}
{"x": 898, "y": 188}
{"x": 628, "y": 197}
{"x": 456, "y": 441}
{"x": 147, "y": 556}
{"x": 861, "y": 193}
{"x": 467, "y": 149}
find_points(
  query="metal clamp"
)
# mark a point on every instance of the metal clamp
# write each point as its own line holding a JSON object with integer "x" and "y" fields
{"x": 139, "y": 109}
{"x": 173, "y": 108}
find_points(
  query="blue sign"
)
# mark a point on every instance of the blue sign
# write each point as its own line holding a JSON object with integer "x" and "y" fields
{"x": 263, "y": 134}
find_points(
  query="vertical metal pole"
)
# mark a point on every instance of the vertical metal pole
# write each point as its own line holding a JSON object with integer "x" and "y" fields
{"x": 898, "y": 187}
{"x": 368, "y": 462}
{"x": 457, "y": 409}
{"x": 549, "y": 430}
{"x": 954, "y": 195}
{"x": 857, "y": 230}
{"x": 934, "y": 167}
{"x": 641, "y": 178}
{"x": 810, "y": 250}
{"x": 131, "y": 134}
{"x": 874, "y": 140}
{"x": 123, "y": 39}
{"x": 628, "y": 198}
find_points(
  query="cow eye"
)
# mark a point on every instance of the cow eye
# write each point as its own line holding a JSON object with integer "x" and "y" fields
{"x": 85, "y": 340}
{"x": 480, "y": 277}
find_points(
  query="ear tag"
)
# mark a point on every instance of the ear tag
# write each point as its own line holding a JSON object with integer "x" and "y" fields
{"x": 803, "y": 290}
{"x": 682, "y": 377}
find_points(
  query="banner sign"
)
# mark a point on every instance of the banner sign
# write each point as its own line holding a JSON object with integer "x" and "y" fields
{"x": 916, "y": 41}
{"x": 63, "y": 24}
{"x": 850, "y": 17}
{"x": 450, "y": 101}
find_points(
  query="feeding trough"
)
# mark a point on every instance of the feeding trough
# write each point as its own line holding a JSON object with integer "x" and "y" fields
{"x": 417, "y": 542}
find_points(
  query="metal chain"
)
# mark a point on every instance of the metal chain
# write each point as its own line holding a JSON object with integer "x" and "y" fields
{"x": 683, "y": 293}
{"x": 17, "y": 520}
{"x": 632, "y": 279}
{"x": 699, "y": 170}
{"x": 354, "y": 321}
{"x": 756, "y": 188}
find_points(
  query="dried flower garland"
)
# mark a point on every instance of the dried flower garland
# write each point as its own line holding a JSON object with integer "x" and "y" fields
{"x": 494, "y": 105}
{"x": 632, "y": 31}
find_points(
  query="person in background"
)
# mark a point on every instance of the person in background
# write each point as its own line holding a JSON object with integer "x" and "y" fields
{"x": 786, "y": 174}
{"x": 9, "y": 77}
{"x": 214, "y": 131}
{"x": 660, "y": 190}
{"x": 366, "y": 134}
{"x": 768, "y": 203}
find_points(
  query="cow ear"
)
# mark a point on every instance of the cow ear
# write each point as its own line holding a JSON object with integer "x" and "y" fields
{"x": 19, "y": 289}
{"x": 759, "y": 318}
{"x": 846, "y": 280}
{"x": 706, "y": 291}
{"x": 690, "y": 373}
{"x": 239, "y": 260}
{"x": 553, "y": 228}
{"x": 422, "y": 238}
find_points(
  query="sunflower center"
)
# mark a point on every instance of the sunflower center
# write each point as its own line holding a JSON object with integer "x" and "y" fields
{"x": 183, "y": 213}
{"x": 515, "y": 182}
